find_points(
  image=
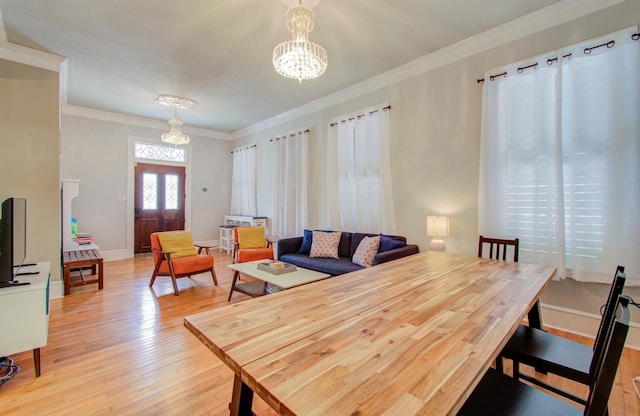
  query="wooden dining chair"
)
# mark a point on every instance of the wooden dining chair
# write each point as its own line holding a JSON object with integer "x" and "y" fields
{"x": 174, "y": 254}
{"x": 498, "y": 247}
{"x": 499, "y": 394}
{"x": 557, "y": 355}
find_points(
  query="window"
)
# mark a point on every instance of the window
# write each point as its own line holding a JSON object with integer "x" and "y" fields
{"x": 560, "y": 158}
{"x": 158, "y": 152}
{"x": 359, "y": 190}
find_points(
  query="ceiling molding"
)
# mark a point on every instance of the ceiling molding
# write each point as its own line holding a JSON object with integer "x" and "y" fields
{"x": 74, "y": 110}
{"x": 27, "y": 56}
{"x": 554, "y": 15}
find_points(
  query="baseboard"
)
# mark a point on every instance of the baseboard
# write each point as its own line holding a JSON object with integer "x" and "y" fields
{"x": 112, "y": 255}
{"x": 56, "y": 289}
{"x": 582, "y": 323}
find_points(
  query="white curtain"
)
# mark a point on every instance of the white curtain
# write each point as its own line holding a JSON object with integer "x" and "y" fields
{"x": 560, "y": 158}
{"x": 290, "y": 193}
{"x": 243, "y": 181}
{"x": 359, "y": 188}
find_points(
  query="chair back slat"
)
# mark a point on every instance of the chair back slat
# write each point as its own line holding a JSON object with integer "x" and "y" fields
{"x": 608, "y": 317}
{"x": 500, "y": 245}
{"x": 607, "y": 367}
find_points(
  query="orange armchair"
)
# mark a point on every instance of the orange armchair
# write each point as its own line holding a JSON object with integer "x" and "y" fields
{"x": 174, "y": 255}
{"x": 249, "y": 244}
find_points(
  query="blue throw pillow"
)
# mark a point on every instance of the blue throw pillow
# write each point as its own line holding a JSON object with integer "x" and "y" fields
{"x": 307, "y": 240}
{"x": 388, "y": 243}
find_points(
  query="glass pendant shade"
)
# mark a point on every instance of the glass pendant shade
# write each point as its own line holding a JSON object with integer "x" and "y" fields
{"x": 300, "y": 58}
{"x": 175, "y": 136}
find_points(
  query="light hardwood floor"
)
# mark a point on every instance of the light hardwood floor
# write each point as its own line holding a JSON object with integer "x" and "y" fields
{"x": 124, "y": 351}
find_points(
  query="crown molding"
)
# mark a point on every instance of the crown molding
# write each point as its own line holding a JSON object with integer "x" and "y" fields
{"x": 27, "y": 56}
{"x": 551, "y": 16}
{"x": 79, "y": 111}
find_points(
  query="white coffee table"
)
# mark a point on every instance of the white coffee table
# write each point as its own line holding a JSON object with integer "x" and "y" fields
{"x": 258, "y": 287}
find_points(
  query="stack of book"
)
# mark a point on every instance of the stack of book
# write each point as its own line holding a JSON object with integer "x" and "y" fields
{"x": 83, "y": 238}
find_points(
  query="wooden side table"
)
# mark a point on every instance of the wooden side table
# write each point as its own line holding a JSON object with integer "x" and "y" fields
{"x": 81, "y": 259}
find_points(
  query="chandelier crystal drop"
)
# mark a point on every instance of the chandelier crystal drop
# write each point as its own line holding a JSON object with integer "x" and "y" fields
{"x": 300, "y": 58}
{"x": 175, "y": 136}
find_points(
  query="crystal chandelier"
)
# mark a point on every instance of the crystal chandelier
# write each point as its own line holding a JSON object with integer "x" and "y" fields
{"x": 299, "y": 58}
{"x": 175, "y": 136}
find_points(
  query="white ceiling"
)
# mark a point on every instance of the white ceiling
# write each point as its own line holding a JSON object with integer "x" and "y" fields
{"x": 123, "y": 53}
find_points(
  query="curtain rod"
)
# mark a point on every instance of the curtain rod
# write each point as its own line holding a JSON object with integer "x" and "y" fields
{"x": 360, "y": 116}
{"x": 610, "y": 44}
{"x": 240, "y": 149}
{"x": 289, "y": 135}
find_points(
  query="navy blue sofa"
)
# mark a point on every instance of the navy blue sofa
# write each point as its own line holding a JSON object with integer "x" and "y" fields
{"x": 289, "y": 251}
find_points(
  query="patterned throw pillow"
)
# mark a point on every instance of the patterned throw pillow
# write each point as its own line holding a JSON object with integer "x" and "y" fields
{"x": 366, "y": 251}
{"x": 325, "y": 244}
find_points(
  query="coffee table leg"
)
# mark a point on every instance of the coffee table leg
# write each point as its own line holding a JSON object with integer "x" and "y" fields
{"x": 233, "y": 284}
{"x": 241, "y": 399}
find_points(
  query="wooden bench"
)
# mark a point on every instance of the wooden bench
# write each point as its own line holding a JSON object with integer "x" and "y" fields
{"x": 79, "y": 260}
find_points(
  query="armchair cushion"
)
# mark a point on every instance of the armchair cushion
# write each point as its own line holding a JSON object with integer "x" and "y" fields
{"x": 186, "y": 265}
{"x": 179, "y": 241}
{"x": 251, "y": 237}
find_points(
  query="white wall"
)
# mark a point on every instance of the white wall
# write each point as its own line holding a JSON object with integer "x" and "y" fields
{"x": 435, "y": 130}
{"x": 97, "y": 153}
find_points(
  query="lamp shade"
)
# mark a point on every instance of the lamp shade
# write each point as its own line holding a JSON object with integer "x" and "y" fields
{"x": 437, "y": 226}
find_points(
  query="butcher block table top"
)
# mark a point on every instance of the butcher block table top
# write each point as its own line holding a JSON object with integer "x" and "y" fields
{"x": 411, "y": 336}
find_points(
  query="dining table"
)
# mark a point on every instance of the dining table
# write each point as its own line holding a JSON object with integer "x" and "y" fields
{"x": 412, "y": 336}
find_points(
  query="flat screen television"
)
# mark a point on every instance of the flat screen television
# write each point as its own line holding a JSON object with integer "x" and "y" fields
{"x": 13, "y": 239}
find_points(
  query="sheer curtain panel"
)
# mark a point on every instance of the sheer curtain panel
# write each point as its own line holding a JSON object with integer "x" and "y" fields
{"x": 290, "y": 193}
{"x": 560, "y": 157}
{"x": 243, "y": 181}
{"x": 359, "y": 188}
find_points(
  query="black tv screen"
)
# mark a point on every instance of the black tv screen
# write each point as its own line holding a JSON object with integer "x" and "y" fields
{"x": 13, "y": 238}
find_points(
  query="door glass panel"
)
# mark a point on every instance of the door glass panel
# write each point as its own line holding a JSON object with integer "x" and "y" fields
{"x": 171, "y": 192}
{"x": 150, "y": 191}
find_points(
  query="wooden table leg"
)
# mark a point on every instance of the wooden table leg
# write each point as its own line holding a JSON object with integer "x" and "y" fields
{"x": 534, "y": 316}
{"x": 67, "y": 279}
{"x": 36, "y": 360}
{"x": 100, "y": 275}
{"x": 241, "y": 399}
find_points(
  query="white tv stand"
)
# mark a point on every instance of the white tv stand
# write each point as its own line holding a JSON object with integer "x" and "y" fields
{"x": 24, "y": 314}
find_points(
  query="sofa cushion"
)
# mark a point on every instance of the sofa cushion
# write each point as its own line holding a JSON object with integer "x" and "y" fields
{"x": 307, "y": 239}
{"x": 389, "y": 243}
{"x": 344, "y": 248}
{"x": 325, "y": 244}
{"x": 333, "y": 267}
{"x": 366, "y": 251}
